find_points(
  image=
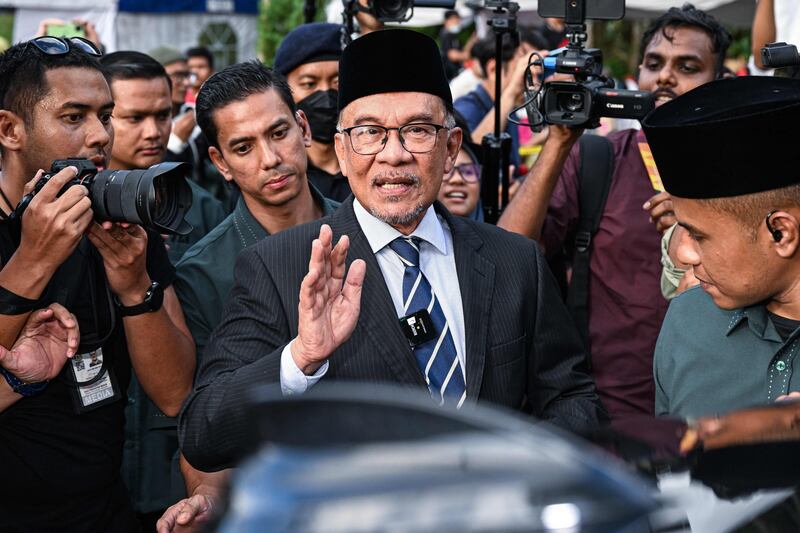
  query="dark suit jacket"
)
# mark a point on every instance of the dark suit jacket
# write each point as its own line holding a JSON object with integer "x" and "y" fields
{"x": 522, "y": 350}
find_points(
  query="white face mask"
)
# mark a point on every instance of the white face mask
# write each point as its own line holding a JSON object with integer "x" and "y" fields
{"x": 454, "y": 29}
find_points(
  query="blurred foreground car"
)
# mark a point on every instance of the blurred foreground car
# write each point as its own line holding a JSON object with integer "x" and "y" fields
{"x": 355, "y": 458}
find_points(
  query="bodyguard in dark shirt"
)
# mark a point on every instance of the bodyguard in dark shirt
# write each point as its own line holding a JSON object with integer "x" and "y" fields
{"x": 259, "y": 142}
{"x": 731, "y": 342}
{"x": 205, "y": 274}
{"x": 61, "y": 447}
{"x": 309, "y": 58}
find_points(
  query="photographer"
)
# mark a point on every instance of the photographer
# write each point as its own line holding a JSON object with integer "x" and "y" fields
{"x": 477, "y": 107}
{"x": 682, "y": 49}
{"x": 61, "y": 447}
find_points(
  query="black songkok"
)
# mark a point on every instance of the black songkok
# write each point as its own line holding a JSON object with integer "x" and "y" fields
{"x": 728, "y": 137}
{"x": 390, "y": 61}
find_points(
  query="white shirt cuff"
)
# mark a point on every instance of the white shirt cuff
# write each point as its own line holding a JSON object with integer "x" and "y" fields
{"x": 293, "y": 381}
{"x": 175, "y": 144}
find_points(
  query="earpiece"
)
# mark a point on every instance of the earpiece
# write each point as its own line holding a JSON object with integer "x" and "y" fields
{"x": 776, "y": 233}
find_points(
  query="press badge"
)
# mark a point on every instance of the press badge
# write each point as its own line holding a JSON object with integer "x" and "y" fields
{"x": 97, "y": 391}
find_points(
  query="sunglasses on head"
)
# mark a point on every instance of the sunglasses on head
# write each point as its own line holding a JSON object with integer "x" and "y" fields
{"x": 57, "y": 46}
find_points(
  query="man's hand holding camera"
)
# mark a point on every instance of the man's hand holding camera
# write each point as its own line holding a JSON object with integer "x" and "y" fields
{"x": 123, "y": 247}
{"x": 52, "y": 225}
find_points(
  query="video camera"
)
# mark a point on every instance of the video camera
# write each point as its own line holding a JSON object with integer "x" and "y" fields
{"x": 157, "y": 198}
{"x": 581, "y": 103}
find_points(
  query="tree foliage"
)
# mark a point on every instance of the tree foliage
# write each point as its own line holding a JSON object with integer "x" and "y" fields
{"x": 279, "y": 17}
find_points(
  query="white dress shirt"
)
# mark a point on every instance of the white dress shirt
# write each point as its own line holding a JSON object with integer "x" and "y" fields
{"x": 437, "y": 263}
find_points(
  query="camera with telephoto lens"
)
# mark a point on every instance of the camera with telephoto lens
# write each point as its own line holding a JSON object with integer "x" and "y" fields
{"x": 156, "y": 198}
{"x": 581, "y": 103}
{"x": 395, "y": 10}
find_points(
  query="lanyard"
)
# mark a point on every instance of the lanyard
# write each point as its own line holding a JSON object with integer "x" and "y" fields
{"x": 649, "y": 162}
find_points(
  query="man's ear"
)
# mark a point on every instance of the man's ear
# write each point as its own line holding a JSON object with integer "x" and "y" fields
{"x": 338, "y": 145}
{"x": 302, "y": 121}
{"x": 219, "y": 161}
{"x": 785, "y": 234}
{"x": 489, "y": 69}
{"x": 12, "y": 131}
{"x": 454, "y": 140}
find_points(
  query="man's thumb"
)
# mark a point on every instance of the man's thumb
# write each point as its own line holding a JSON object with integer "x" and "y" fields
{"x": 5, "y": 355}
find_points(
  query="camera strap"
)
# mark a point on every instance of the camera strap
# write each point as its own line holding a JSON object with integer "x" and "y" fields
{"x": 594, "y": 180}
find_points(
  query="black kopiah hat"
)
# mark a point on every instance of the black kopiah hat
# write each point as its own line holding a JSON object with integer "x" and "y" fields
{"x": 728, "y": 138}
{"x": 389, "y": 61}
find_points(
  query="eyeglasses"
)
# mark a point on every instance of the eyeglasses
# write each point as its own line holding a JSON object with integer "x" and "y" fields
{"x": 417, "y": 138}
{"x": 57, "y": 46}
{"x": 470, "y": 172}
{"x": 181, "y": 75}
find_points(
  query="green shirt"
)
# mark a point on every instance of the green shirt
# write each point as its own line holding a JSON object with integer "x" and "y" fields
{"x": 204, "y": 215}
{"x": 205, "y": 273}
{"x": 710, "y": 361}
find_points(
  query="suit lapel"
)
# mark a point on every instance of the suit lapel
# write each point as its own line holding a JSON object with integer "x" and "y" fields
{"x": 377, "y": 320}
{"x": 476, "y": 280}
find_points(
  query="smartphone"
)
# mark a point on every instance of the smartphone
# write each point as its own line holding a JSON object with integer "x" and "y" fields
{"x": 68, "y": 29}
{"x": 595, "y": 9}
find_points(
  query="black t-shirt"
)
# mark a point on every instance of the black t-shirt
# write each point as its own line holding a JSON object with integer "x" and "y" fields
{"x": 784, "y": 326}
{"x": 449, "y": 41}
{"x": 61, "y": 470}
{"x": 333, "y": 186}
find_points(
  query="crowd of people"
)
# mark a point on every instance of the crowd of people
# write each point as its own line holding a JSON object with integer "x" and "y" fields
{"x": 336, "y": 204}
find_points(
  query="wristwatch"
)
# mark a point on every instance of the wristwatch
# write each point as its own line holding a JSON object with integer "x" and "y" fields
{"x": 153, "y": 299}
{"x": 21, "y": 387}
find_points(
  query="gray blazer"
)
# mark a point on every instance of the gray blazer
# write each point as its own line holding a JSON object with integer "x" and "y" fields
{"x": 522, "y": 349}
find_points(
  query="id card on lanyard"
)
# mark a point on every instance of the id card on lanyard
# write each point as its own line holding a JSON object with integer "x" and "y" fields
{"x": 649, "y": 162}
{"x": 98, "y": 384}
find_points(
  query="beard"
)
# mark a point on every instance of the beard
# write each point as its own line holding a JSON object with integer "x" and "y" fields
{"x": 399, "y": 219}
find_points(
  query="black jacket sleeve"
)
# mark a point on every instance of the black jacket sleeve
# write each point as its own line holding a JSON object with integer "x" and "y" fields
{"x": 563, "y": 392}
{"x": 245, "y": 350}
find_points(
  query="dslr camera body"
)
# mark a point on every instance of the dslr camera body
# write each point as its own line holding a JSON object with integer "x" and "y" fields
{"x": 156, "y": 198}
{"x": 581, "y": 103}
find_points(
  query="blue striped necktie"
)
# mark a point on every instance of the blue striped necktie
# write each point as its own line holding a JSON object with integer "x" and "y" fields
{"x": 436, "y": 358}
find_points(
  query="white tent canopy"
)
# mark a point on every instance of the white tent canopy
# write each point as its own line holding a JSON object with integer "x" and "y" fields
{"x": 134, "y": 31}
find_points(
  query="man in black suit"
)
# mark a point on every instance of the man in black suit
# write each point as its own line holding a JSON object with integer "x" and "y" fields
{"x": 499, "y": 332}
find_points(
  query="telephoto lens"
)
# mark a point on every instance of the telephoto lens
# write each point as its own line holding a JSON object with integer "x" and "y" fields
{"x": 157, "y": 198}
